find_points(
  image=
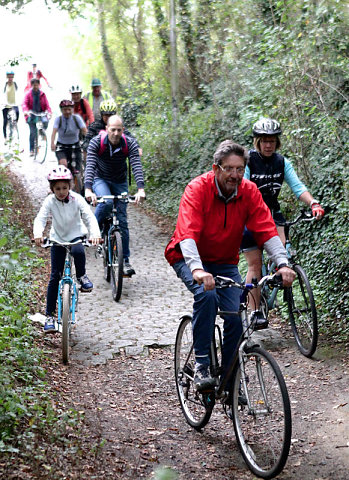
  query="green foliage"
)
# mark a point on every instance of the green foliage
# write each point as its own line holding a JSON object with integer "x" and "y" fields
{"x": 27, "y": 413}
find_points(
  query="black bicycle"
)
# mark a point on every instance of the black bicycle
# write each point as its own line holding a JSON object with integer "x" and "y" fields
{"x": 256, "y": 400}
{"x": 111, "y": 249}
{"x": 75, "y": 164}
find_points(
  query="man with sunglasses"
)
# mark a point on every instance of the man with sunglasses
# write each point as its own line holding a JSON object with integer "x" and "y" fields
{"x": 213, "y": 212}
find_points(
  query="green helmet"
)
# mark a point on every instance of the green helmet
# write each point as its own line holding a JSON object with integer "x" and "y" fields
{"x": 108, "y": 107}
{"x": 96, "y": 82}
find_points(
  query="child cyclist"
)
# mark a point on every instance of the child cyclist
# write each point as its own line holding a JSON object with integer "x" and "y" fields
{"x": 70, "y": 216}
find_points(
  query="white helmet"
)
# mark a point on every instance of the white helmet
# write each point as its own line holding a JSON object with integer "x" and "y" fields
{"x": 59, "y": 173}
{"x": 75, "y": 89}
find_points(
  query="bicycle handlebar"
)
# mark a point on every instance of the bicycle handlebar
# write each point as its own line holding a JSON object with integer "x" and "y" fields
{"x": 304, "y": 215}
{"x": 124, "y": 197}
{"x": 37, "y": 114}
{"x": 49, "y": 243}
{"x": 274, "y": 280}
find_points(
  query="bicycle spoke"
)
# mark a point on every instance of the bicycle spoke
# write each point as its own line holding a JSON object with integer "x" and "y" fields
{"x": 196, "y": 407}
{"x": 302, "y": 313}
{"x": 263, "y": 427}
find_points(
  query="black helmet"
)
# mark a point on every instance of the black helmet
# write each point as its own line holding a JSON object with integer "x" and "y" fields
{"x": 266, "y": 126}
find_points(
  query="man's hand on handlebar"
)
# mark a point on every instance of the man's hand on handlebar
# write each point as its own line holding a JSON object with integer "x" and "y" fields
{"x": 202, "y": 277}
{"x": 90, "y": 196}
{"x": 140, "y": 196}
{"x": 288, "y": 276}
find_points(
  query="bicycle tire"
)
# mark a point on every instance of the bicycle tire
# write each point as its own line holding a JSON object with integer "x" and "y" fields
{"x": 66, "y": 321}
{"x": 117, "y": 266}
{"x": 78, "y": 185}
{"x": 196, "y": 407}
{"x": 40, "y": 146}
{"x": 263, "y": 428}
{"x": 106, "y": 264}
{"x": 302, "y": 313}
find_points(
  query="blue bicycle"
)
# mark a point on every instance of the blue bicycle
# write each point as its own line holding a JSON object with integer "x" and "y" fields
{"x": 68, "y": 295}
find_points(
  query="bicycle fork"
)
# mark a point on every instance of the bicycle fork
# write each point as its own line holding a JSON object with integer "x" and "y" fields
{"x": 257, "y": 405}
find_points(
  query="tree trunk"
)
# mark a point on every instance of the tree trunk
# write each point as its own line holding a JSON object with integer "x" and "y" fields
{"x": 173, "y": 62}
{"x": 188, "y": 37}
{"x": 162, "y": 30}
{"x": 114, "y": 82}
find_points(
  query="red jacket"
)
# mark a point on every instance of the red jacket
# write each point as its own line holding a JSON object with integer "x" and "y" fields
{"x": 28, "y": 102}
{"x": 217, "y": 226}
{"x": 30, "y": 76}
{"x": 87, "y": 117}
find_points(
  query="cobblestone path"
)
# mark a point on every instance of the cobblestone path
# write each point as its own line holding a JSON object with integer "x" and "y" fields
{"x": 152, "y": 301}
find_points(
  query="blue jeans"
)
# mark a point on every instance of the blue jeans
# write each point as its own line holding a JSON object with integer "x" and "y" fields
{"x": 32, "y": 129}
{"x": 57, "y": 266}
{"x": 103, "y": 210}
{"x": 205, "y": 308}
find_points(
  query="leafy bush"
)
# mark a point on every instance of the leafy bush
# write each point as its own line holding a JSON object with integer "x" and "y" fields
{"x": 27, "y": 413}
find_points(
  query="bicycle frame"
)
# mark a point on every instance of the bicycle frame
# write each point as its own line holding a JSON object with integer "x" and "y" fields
{"x": 245, "y": 336}
{"x": 67, "y": 278}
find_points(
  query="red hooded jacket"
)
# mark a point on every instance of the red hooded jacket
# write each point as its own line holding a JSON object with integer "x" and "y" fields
{"x": 28, "y": 102}
{"x": 216, "y": 225}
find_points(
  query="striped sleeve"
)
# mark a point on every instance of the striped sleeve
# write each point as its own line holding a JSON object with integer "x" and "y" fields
{"x": 135, "y": 161}
{"x": 91, "y": 161}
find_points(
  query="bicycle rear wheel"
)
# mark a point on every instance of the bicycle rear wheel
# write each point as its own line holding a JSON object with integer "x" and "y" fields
{"x": 40, "y": 146}
{"x": 302, "y": 313}
{"x": 262, "y": 427}
{"x": 117, "y": 266}
{"x": 196, "y": 407}
{"x": 66, "y": 321}
{"x": 78, "y": 185}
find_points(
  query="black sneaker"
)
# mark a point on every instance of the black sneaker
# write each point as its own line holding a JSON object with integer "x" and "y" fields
{"x": 202, "y": 378}
{"x": 128, "y": 269}
{"x": 258, "y": 321}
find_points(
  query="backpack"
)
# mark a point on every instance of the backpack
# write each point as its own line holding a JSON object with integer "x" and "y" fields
{"x": 75, "y": 120}
{"x": 15, "y": 84}
{"x": 124, "y": 149}
{"x": 103, "y": 134}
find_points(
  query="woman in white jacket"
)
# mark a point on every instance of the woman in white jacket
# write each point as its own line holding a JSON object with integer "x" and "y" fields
{"x": 71, "y": 219}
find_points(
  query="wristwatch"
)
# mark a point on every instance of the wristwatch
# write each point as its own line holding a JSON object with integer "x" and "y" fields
{"x": 282, "y": 265}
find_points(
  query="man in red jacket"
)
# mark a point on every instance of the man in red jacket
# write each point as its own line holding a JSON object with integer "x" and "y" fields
{"x": 35, "y": 101}
{"x": 213, "y": 212}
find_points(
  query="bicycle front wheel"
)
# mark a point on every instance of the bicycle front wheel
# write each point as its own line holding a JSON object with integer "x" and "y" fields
{"x": 302, "y": 313}
{"x": 106, "y": 265}
{"x": 117, "y": 266}
{"x": 196, "y": 407}
{"x": 40, "y": 146}
{"x": 262, "y": 424}
{"x": 66, "y": 321}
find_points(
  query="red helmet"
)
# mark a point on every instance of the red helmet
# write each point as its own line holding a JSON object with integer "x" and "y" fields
{"x": 66, "y": 103}
{"x": 59, "y": 173}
